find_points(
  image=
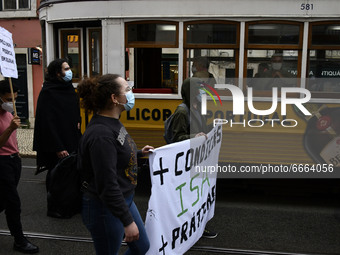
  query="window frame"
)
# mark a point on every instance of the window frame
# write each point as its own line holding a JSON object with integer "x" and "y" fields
{"x": 61, "y": 50}
{"x": 255, "y": 46}
{"x": 151, "y": 45}
{"x": 16, "y": 6}
{"x": 316, "y": 94}
{"x": 89, "y": 30}
{"x": 188, "y": 46}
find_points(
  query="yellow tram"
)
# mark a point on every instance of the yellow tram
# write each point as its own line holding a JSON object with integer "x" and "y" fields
{"x": 153, "y": 44}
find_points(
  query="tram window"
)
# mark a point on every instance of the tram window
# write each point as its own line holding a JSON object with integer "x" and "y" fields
{"x": 139, "y": 34}
{"x": 152, "y": 56}
{"x": 95, "y": 50}
{"x": 324, "y": 71}
{"x": 272, "y": 33}
{"x": 153, "y": 70}
{"x": 324, "y": 59}
{"x": 211, "y": 50}
{"x": 326, "y": 34}
{"x": 272, "y": 68}
{"x": 211, "y": 33}
{"x": 216, "y": 64}
{"x": 70, "y": 50}
{"x": 273, "y": 55}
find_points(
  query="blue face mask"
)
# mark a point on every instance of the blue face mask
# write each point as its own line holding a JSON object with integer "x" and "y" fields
{"x": 68, "y": 76}
{"x": 199, "y": 96}
{"x": 130, "y": 97}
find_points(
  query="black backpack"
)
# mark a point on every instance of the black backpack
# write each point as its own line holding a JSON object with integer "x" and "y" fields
{"x": 168, "y": 132}
{"x": 64, "y": 187}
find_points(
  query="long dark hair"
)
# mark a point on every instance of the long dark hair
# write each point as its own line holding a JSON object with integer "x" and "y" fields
{"x": 96, "y": 92}
{"x": 5, "y": 87}
{"x": 54, "y": 68}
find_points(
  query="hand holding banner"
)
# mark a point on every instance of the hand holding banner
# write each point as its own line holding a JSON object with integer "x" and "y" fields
{"x": 183, "y": 193}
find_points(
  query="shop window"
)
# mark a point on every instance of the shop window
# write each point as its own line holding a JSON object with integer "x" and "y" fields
{"x": 152, "y": 56}
{"x": 71, "y": 50}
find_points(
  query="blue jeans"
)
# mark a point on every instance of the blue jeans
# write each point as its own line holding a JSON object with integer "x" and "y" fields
{"x": 107, "y": 231}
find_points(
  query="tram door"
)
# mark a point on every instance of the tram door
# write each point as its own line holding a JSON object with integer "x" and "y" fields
{"x": 21, "y": 83}
{"x": 149, "y": 67}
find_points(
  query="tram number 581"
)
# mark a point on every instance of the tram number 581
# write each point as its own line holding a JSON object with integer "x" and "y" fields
{"x": 307, "y": 7}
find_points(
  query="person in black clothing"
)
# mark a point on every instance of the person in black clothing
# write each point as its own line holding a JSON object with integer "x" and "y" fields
{"x": 108, "y": 163}
{"x": 57, "y": 122}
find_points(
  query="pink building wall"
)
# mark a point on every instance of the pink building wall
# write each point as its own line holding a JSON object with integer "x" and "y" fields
{"x": 26, "y": 33}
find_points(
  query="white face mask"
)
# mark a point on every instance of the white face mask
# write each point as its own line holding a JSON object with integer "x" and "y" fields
{"x": 7, "y": 106}
{"x": 276, "y": 66}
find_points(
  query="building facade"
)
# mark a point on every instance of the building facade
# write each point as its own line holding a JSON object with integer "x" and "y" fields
{"x": 21, "y": 19}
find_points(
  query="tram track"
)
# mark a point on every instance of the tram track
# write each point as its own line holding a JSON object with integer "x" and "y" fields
{"x": 87, "y": 241}
{"x": 41, "y": 180}
{"x": 197, "y": 248}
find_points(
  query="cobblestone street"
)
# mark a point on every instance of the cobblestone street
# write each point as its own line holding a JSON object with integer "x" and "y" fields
{"x": 25, "y": 142}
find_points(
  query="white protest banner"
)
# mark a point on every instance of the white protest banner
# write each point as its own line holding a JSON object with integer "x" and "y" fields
{"x": 183, "y": 193}
{"x": 8, "y": 66}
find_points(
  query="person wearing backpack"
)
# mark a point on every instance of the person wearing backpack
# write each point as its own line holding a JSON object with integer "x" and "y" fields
{"x": 57, "y": 125}
{"x": 187, "y": 121}
{"x": 108, "y": 161}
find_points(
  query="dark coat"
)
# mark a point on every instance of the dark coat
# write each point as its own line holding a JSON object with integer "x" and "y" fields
{"x": 56, "y": 123}
{"x": 182, "y": 128}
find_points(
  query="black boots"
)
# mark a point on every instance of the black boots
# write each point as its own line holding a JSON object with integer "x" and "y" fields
{"x": 25, "y": 246}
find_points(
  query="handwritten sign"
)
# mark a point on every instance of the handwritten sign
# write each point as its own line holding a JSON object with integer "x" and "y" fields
{"x": 8, "y": 66}
{"x": 183, "y": 196}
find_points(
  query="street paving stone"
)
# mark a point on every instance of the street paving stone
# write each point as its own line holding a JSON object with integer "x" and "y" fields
{"x": 25, "y": 142}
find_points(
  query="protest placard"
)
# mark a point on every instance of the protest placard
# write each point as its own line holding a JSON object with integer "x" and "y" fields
{"x": 8, "y": 66}
{"x": 183, "y": 193}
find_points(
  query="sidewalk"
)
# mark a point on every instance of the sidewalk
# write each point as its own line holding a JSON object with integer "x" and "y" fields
{"x": 25, "y": 142}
